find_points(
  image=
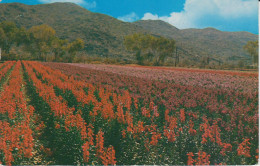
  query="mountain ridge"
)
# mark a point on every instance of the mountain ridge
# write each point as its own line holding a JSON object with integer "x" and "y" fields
{"x": 104, "y": 34}
{"x": 208, "y": 41}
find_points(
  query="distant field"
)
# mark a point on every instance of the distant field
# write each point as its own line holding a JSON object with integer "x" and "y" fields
{"x": 203, "y": 78}
{"x": 56, "y": 113}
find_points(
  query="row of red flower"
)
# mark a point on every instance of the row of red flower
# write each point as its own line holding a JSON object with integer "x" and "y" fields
{"x": 16, "y": 137}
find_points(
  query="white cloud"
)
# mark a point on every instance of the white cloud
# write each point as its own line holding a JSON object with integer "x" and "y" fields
{"x": 79, "y": 2}
{"x": 129, "y": 17}
{"x": 90, "y": 5}
{"x": 200, "y": 13}
{"x": 150, "y": 16}
{"x": 52, "y": 1}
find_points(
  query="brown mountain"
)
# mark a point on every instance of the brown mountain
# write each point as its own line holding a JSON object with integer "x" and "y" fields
{"x": 104, "y": 34}
{"x": 203, "y": 42}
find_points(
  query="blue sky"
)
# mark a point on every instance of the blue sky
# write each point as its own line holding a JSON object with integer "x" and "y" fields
{"x": 225, "y": 15}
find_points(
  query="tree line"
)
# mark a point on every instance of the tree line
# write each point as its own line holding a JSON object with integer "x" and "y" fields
{"x": 150, "y": 48}
{"x": 41, "y": 43}
{"x": 252, "y": 48}
{"x": 37, "y": 43}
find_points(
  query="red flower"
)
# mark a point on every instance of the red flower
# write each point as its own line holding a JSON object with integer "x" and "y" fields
{"x": 182, "y": 115}
{"x": 190, "y": 159}
{"x": 244, "y": 149}
{"x": 85, "y": 148}
{"x": 203, "y": 158}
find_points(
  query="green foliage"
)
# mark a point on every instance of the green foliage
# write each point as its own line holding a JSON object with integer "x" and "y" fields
{"x": 73, "y": 47}
{"x": 154, "y": 49}
{"x": 40, "y": 42}
{"x": 42, "y": 33}
{"x": 76, "y": 45}
{"x": 252, "y": 48}
{"x": 135, "y": 43}
{"x": 59, "y": 49}
{"x": 8, "y": 35}
{"x": 41, "y": 38}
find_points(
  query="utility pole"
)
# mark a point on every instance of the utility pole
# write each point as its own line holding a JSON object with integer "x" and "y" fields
{"x": 0, "y": 54}
{"x": 176, "y": 55}
{"x": 178, "y": 58}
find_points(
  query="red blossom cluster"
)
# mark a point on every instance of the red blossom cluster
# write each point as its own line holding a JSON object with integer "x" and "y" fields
{"x": 203, "y": 159}
{"x": 107, "y": 155}
{"x": 244, "y": 149}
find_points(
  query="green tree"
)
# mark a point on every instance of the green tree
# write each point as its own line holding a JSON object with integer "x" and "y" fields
{"x": 73, "y": 48}
{"x": 241, "y": 64}
{"x": 2, "y": 40}
{"x": 40, "y": 42}
{"x": 135, "y": 43}
{"x": 154, "y": 49}
{"x": 22, "y": 37}
{"x": 160, "y": 48}
{"x": 252, "y": 48}
{"x": 59, "y": 49}
{"x": 8, "y": 35}
{"x": 41, "y": 38}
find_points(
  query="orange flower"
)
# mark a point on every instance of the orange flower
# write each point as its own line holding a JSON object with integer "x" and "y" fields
{"x": 155, "y": 137}
{"x": 190, "y": 159}
{"x": 100, "y": 144}
{"x": 244, "y": 149}
{"x": 57, "y": 126}
{"x": 203, "y": 158}
{"x": 191, "y": 130}
{"x": 123, "y": 134}
{"x": 166, "y": 115}
{"x": 140, "y": 127}
{"x": 110, "y": 157}
{"x": 226, "y": 147}
{"x": 85, "y": 148}
{"x": 182, "y": 115}
{"x": 146, "y": 112}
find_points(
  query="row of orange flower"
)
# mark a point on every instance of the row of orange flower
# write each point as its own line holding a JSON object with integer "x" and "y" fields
{"x": 16, "y": 136}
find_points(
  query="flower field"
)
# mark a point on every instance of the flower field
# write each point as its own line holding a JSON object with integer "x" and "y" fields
{"x": 54, "y": 113}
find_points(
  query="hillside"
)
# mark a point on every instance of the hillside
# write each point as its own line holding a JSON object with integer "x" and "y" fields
{"x": 208, "y": 41}
{"x": 104, "y": 34}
